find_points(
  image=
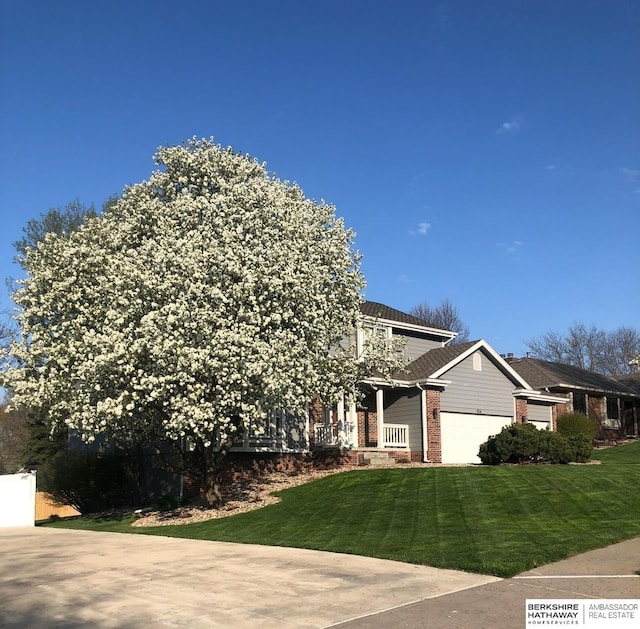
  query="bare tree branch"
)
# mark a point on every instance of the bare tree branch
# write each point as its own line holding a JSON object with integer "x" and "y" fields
{"x": 443, "y": 317}
{"x": 591, "y": 348}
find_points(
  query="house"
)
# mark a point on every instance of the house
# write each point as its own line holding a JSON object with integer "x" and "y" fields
{"x": 613, "y": 401}
{"x": 448, "y": 400}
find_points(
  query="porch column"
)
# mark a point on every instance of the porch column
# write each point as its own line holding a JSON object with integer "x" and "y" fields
{"x": 340, "y": 411}
{"x": 352, "y": 416}
{"x": 380, "y": 416}
{"x": 340, "y": 427}
{"x": 307, "y": 426}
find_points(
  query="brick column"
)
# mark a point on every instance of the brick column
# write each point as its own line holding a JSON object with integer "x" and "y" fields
{"x": 434, "y": 438}
{"x": 316, "y": 416}
{"x": 522, "y": 410}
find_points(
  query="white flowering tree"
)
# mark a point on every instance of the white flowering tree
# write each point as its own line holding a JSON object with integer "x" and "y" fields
{"x": 205, "y": 297}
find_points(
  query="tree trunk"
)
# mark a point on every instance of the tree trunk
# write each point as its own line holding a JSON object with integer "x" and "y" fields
{"x": 212, "y": 474}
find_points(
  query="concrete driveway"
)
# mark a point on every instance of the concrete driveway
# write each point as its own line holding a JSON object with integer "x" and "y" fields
{"x": 64, "y": 578}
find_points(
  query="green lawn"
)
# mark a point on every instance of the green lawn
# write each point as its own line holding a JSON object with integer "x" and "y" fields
{"x": 493, "y": 520}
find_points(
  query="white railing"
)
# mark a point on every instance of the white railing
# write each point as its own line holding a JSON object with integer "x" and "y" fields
{"x": 337, "y": 434}
{"x": 396, "y": 436}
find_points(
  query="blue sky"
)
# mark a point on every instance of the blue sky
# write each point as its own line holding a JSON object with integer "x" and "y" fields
{"x": 484, "y": 152}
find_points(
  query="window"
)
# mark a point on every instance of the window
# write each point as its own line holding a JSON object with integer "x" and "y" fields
{"x": 477, "y": 361}
{"x": 369, "y": 335}
{"x": 613, "y": 408}
{"x": 580, "y": 403}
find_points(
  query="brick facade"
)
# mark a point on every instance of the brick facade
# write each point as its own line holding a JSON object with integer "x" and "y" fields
{"x": 434, "y": 435}
{"x": 247, "y": 465}
{"x": 367, "y": 429}
{"x": 555, "y": 411}
{"x": 522, "y": 411}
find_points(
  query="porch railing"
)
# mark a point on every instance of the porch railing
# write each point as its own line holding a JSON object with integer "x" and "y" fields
{"x": 342, "y": 434}
{"x": 336, "y": 434}
{"x": 396, "y": 435}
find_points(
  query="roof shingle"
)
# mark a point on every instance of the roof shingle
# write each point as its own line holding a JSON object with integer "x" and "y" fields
{"x": 542, "y": 374}
{"x": 431, "y": 361}
{"x": 380, "y": 311}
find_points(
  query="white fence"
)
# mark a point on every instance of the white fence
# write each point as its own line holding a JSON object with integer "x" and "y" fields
{"x": 18, "y": 499}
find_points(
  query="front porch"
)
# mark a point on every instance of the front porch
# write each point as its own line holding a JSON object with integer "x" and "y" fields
{"x": 346, "y": 426}
{"x": 344, "y": 434}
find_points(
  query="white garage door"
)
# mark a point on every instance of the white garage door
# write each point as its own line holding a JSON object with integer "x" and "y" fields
{"x": 462, "y": 435}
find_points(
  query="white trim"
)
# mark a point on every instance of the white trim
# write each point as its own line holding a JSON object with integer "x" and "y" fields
{"x": 539, "y": 396}
{"x": 446, "y": 334}
{"x": 406, "y": 384}
{"x": 380, "y": 416}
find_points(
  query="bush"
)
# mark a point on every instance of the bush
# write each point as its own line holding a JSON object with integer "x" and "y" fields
{"x": 554, "y": 448}
{"x": 167, "y": 503}
{"x": 582, "y": 447}
{"x": 577, "y": 425}
{"x": 513, "y": 444}
{"x": 524, "y": 443}
{"x": 89, "y": 482}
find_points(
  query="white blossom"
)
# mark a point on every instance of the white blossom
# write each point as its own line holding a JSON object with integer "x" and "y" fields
{"x": 207, "y": 294}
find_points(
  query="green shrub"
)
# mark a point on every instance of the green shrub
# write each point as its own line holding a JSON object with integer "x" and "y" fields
{"x": 515, "y": 443}
{"x": 577, "y": 425}
{"x": 167, "y": 503}
{"x": 524, "y": 443}
{"x": 488, "y": 454}
{"x": 581, "y": 447}
{"x": 554, "y": 448}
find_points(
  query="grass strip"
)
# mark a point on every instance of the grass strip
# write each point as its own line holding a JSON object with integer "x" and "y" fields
{"x": 491, "y": 520}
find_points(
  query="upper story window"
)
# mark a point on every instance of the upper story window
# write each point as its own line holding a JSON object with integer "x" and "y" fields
{"x": 368, "y": 333}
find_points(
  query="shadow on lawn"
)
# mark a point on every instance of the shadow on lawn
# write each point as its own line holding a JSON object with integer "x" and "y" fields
{"x": 113, "y": 515}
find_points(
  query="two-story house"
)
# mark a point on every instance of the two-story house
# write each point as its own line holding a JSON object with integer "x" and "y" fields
{"x": 447, "y": 401}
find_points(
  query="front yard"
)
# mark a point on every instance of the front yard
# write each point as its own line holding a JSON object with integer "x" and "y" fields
{"x": 493, "y": 520}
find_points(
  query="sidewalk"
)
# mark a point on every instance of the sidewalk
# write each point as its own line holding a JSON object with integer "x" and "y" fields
{"x": 604, "y": 573}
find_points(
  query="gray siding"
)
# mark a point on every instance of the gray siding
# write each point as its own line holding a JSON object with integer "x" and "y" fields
{"x": 488, "y": 391}
{"x": 415, "y": 344}
{"x": 404, "y": 408}
{"x": 538, "y": 412}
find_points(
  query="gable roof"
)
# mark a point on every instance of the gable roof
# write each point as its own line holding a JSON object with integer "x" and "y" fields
{"x": 436, "y": 362}
{"x": 433, "y": 360}
{"x": 543, "y": 374}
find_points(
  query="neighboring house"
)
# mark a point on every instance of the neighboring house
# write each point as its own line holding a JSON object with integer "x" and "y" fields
{"x": 613, "y": 401}
{"x": 448, "y": 400}
{"x": 631, "y": 408}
